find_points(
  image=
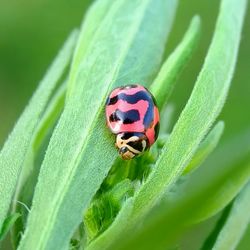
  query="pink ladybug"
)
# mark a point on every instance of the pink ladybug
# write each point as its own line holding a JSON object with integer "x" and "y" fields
{"x": 132, "y": 115}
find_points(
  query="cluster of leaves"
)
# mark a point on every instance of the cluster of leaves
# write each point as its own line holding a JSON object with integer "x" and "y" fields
{"x": 59, "y": 169}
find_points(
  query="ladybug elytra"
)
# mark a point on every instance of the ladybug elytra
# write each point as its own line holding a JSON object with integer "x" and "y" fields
{"x": 132, "y": 115}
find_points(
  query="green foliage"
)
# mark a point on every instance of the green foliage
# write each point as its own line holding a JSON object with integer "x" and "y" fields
{"x": 31, "y": 167}
{"x": 237, "y": 222}
{"x": 16, "y": 147}
{"x": 194, "y": 122}
{"x": 104, "y": 65}
{"x": 202, "y": 108}
{"x": 139, "y": 169}
{"x": 105, "y": 207}
{"x": 164, "y": 83}
{"x": 205, "y": 148}
{"x": 7, "y": 224}
{"x": 70, "y": 188}
{"x": 90, "y": 29}
{"x": 219, "y": 181}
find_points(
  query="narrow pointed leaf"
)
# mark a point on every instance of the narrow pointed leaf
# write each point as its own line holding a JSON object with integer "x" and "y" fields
{"x": 237, "y": 222}
{"x": 31, "y": 167}
{"x": 165, "y": 81}
{"x": 8, "y": 223}
{"x": 15, "y": 148}
{"x": 244, "y": 242}
{"x": 90, "y": 27}
{"x": 206, "y": 147}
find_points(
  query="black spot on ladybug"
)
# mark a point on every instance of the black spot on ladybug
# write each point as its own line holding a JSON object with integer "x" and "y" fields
{"x": 137, "y": 145}
{"x": 128, "y": 117}
{"x": 132, "y": 99}
{"x": 156, "y": 129}
{"x": 112, "y": 101}
{"x": 127, "y": 135}
{"x": 113, "y": 117}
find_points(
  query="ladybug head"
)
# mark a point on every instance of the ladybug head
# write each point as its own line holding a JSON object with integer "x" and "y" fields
{"x": 130, "y": 144}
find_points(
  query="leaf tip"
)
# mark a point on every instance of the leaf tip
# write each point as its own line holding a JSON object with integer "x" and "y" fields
{"x": 220, "y": 126}
{"x": 196, "y": 24}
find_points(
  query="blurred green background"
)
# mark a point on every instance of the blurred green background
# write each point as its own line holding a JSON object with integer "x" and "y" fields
{"x": 31, "y": 33}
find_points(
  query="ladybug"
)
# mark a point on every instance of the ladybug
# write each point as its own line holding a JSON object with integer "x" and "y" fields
{"x": 132, "y": 115}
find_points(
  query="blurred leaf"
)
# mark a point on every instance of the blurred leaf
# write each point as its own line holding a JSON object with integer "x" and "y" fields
{"x": 211, "y": 238}
{"x": 202, "y": 109}
{"x": 8, "y": 223}
{"x": 167, "y": 118}
{"x": 81, "y": 149}
{"x": 195, "y": 236}
{"x": 164, "y": 83}
{"x": 245, "y": 241}
{"x": 206, "y": 147}
{"x": 236, "y": 223}
{"x": 15, "y": 149}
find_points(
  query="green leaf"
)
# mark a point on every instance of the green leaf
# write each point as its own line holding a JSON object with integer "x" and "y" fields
{"x": 225, "y": 172}
{"x": 167, "y": 118}
{"x": 196, "y": 197}
{"x": 91, "y": 27}
{"x": 164, "y": 83}
{"x": 237, "y": 222}
{"x": 202, "y": 109}
{"x": 8, "y": 223}
{"x": 164, "y": 79}
{"x": 15, "y": 148}
{"x": 206, "y": 147}
{"x": 41, "y": 137}
{"x": 50, "y": 116}
{"x": 102, "y": 211}
{"x": 208, "y": 243}
{"x": 31, "y": 167}
{"x": 244, "y": 243}
{"x": 73, "y": 169}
